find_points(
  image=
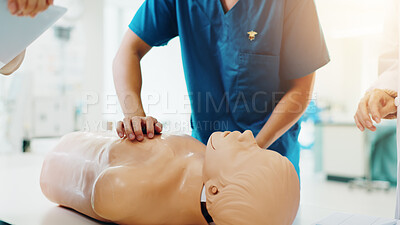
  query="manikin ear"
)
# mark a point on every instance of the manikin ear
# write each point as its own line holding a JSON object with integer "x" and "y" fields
{"x": 212, "y": 188}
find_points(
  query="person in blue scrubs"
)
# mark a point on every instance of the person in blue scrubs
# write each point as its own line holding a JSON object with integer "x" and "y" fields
{"x": 249, "y": 65}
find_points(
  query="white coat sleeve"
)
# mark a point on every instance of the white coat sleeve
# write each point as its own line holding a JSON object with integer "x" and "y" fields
{"x": 389, "y": 60}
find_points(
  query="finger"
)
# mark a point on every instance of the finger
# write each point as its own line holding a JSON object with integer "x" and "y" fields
{"x": 30, "y": 7}
{"x": 158, "y": 127}
{"x": 50, "y": 2}
{"x": 366, "y": 122}
{"x": 21, "y": 6}
{"x": 12, "y": 6}
{"x": 358, "y": 114}
{"x": 41, "y": 6}
{"x": 373, "y": 106}
{"x": 363, "y": 115}
{"x": 358, "y": 124}
{"x": 129, "y": 129}
{"x": 388, "y": 108}
{"x": 137, "y": 127}
{"x": 373, "y": 128}
{"x": 120, "y": 129}
{"x": 150, "y": 126}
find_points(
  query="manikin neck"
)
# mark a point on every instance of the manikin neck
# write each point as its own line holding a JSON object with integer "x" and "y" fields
{"x": 204, "y": 210}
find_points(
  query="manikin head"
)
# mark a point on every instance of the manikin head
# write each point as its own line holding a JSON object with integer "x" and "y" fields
{"x": 246, "y": 184}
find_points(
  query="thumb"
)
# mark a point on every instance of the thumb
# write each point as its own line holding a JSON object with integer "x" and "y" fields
{"x": 12, "y": 6}
{"x": 389, "y": 108}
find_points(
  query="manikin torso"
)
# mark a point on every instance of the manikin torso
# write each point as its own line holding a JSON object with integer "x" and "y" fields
{"x": 156, "y": 181}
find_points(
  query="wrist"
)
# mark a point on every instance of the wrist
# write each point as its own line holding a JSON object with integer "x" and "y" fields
{"x": 392, "y": 94}
{"x": 12, "y": 66}
{"x": 8, "y": 69}
{"x": 263, "y": 142}
{"x": 131, "y": 105}
{"x": 2, "y": 70}
{"x": 140, "y": 112}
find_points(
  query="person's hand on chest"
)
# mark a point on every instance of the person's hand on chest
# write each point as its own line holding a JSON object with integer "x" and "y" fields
{"x": 136, "y": 127}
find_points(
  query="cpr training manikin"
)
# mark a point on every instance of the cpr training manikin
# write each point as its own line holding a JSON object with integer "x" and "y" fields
{"x": 160, "y": 180}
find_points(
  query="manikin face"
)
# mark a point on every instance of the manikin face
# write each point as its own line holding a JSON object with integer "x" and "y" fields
{"x": 246, "y": 184}
{"x": 228, "y": 152}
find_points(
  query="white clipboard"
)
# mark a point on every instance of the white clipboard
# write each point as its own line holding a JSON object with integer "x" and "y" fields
{"x": 17, "y": 33}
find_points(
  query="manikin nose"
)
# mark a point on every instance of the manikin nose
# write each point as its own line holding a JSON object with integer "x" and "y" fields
{"x": 248, "y": 132}
{"x": 247, "y": 135}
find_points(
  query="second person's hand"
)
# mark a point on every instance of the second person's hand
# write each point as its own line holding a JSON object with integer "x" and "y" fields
{"x": 134, "y": 128}
{"x": 28, "y": 7}
{"x": 377, "y": 103}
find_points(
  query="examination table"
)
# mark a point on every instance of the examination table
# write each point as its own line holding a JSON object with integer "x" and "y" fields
{"x": 22, "y": 202}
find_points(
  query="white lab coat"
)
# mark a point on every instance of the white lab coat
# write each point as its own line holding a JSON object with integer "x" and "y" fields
{"x": 389, "y": 71}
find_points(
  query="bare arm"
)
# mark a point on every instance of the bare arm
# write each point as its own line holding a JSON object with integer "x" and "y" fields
{"x": 128, "y": 83}
{"x": 288, "y": 111}
{"x": 127, "y": 73}
{"x": 12, "y": 66}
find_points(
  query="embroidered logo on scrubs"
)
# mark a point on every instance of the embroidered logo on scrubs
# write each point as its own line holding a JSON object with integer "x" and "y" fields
{"x": 252, "y": 35}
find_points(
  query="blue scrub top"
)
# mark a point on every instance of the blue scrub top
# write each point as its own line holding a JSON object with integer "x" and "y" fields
{"x": 234, "y": 83}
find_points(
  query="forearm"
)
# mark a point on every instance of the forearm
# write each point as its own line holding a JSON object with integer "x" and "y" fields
{"x": 12, "y": 66}
{"x": 128, "y": 83}
{"x": 127, "y": 74}
{"x": 288, "y": 111}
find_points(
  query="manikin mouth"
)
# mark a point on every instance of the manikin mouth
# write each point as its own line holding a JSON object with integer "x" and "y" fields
{"x": 226, "y": 133}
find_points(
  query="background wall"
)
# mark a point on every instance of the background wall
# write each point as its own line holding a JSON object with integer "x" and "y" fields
{"x": 164, "y": 91}
{"x": 66, "y": 82}
{"x": 354, "y": 31}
